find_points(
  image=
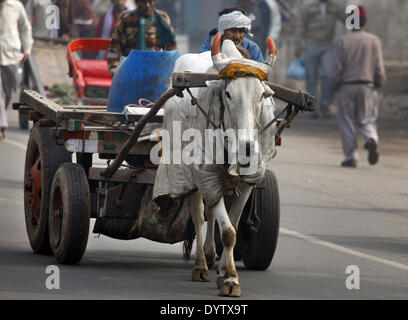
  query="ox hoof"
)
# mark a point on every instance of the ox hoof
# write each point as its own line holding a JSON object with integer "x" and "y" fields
{"x": 229, "y": 289}
{"x": 200, "y": 275}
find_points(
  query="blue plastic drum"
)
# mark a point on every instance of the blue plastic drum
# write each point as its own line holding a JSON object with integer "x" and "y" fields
{"x": 141, "y": 75}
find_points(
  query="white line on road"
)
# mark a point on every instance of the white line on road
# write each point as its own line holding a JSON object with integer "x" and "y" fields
{"x": 12, "y": 201}
{"x": 16, "y": 144}
{"x": 342, "y": 249}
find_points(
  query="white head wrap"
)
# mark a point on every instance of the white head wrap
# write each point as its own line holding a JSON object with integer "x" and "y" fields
{"x": 235, "y": 19}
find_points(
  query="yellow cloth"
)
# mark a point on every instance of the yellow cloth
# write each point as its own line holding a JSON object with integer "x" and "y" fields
{"x": 238, "y": 70}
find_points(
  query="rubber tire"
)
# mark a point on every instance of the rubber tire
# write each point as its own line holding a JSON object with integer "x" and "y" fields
{"x": 23, "y": 120}
{"x": 42, "y": 144}
{"x": 261, "y": 246}
{"x": 69, "y": 232}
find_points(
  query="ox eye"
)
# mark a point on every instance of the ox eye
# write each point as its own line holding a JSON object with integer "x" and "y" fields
{"x": 227, "y": 94}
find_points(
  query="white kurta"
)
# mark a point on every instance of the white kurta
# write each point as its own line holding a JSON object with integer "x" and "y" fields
{"x": 15, "y": 32}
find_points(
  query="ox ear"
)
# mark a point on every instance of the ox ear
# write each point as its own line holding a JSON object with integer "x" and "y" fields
{"x": 273, "y": 52}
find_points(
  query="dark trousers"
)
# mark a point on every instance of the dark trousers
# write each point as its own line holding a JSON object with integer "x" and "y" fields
{"x": 358, "y": 111}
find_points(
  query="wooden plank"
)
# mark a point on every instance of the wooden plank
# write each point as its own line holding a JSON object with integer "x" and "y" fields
{"x": 191, "y": 80}
{"x": 55, "y": 112}
{"x": 41, "y": 104}
{"x": 102, "y": 116}
{"x": 300, "y": 99}
{"x": 304, "y": 101}
{"x": 85, "y": 107}
{"x": 22, "y": 108}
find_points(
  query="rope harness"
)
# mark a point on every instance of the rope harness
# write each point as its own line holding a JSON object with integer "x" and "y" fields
{"x": 239, "y": 70}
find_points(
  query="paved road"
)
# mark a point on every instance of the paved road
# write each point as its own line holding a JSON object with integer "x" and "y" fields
{"x": 331, "y": 218}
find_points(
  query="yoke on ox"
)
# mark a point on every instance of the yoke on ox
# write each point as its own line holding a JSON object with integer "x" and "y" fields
{"x": 233, "y": 111}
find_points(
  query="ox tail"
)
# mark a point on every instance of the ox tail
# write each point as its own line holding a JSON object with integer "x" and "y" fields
{"x": 188, "y": 243}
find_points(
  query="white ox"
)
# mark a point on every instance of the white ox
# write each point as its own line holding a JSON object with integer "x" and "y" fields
{"x": 245, "y": 106}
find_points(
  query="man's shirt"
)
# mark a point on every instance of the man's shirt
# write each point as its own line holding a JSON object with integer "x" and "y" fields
{"x": 158, "y": 34}
{"x": 253, "y": 49}
{"x": 15, "y": 33}
{"x": 358, "y": 58}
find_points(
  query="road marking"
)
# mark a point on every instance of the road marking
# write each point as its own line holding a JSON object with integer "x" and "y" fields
{"x": 4, "y": 200}
{"x": 342, "y": 249}
{"x": 16, "y": 144}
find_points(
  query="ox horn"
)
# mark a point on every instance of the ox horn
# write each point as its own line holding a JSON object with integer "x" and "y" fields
{"x": 216, "y": 53}
{"x": 273, "y": 52}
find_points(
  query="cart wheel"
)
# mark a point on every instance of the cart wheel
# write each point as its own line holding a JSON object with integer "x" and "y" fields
{"x": 23, "y": 120}
{"x": 260, "y": 247}
{"x": 43, "y": 157}
{"x": 70, "y": 213}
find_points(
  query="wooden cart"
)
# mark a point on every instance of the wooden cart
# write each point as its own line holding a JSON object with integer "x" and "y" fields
{"x": 65, "y": 187}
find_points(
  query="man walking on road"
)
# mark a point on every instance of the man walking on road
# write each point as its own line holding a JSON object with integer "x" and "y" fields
{"x": 15, "y": 46}
{"x": 358, "y": 70}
